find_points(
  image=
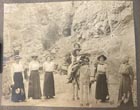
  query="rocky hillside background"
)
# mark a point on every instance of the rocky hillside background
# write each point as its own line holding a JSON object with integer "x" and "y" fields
{"x": 103, "y": 27}
{"x": 40, "y": 28}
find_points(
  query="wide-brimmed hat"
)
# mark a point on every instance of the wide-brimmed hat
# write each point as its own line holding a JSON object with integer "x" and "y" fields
{"x": 17, "y": 57}
{"x": 34, "y": 55}
{"x": 105, "y": 58}
{"x": 77, "y": 49}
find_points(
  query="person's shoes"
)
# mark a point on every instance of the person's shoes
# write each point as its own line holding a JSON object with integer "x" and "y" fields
{"x": 126, "y": 100}
{"x": 47, "y": 97}
{"x": 107, "y": 98}
{"x": 70, "y": 81}
{"x": 87, "y": 104}
{"x": 73, "y": 98}
{"x": 119, "y": 103}
{"x": 78, "y": 98}
{"x": 81, "y": 105}
{"x": 42, "y": 97}
{"x": 30, "y": 99}
{"x": 102, "y": 100}
{"x": 51, "y": 97}
{"x": 24, "y": 100}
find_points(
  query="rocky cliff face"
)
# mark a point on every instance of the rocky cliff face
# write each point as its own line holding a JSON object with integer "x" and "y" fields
{"x": 44, "y": 22}
{"x": 104, "y": 27}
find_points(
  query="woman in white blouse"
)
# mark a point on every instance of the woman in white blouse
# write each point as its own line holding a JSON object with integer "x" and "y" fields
{"x": 101, "y": 92}
{"x": 34, "y": 91}
{"x": 48, "y": 68}
{"x": 18, "y": 91}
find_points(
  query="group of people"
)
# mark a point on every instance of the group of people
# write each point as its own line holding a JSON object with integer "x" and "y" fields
{"x": 82, "y": 78}
{"x": 79, "y": 74}
{"x": 34, "y": 87}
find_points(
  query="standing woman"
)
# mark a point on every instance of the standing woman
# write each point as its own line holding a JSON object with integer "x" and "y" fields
{"x": 18, "y": 91}
{"x": 48, "y": 68}
{"x": 125, "y": 90}
{"x": 101, "y": 92}
{"x": 34, "y": 91}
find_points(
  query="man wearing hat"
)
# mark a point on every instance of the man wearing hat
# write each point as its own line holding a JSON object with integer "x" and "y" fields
{"x": 18, "y": 91}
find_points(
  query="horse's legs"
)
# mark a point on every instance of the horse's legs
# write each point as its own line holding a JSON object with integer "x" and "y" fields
{"x": 73, "y": 92}
{"x": 81, "y": 94}
{"x": 77, "y": 93}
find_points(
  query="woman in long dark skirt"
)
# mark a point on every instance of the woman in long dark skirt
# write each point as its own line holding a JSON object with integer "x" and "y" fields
{"x": 18, "y": 91}
{"x": 125, "y": 91}
{"x": 34, "y": 91}
{"x": 49, "y": 89}
{"x": 101, "y": 92}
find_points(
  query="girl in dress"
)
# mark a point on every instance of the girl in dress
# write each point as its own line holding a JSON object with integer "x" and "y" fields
{"x": 48, "y": 68}
{"x": 101, "y": 92}
{"x": 34, "y": 91}
{"x": 18, "y": 91}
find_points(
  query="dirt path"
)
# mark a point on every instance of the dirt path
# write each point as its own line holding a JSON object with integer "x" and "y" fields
{"x": 63, "y": 96}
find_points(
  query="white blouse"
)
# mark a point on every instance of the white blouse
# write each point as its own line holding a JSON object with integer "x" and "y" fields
{"x": 102, "y": 68}
{"x": 34, "y": 65}
{"x": 17, "y": 67}
{"x": 48, "y": 66}
{"x": 75, "y": 59}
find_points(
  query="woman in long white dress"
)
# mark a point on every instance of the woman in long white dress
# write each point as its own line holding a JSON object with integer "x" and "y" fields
{"x": 34, "y": 91}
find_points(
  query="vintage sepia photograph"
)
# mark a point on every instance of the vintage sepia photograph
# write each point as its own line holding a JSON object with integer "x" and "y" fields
{"x": 69, "y": 54}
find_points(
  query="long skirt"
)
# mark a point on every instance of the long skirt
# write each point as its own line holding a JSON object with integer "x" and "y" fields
{"x": 34, "y": 90}
{"x": 18, "y": 91}
{"x": 125, "y": 89}
{"x": 101, "y": 87}
{"x": 49, "y": 89}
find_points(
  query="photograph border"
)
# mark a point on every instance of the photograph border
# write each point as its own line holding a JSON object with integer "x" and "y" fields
{"x": 136, "y": 12}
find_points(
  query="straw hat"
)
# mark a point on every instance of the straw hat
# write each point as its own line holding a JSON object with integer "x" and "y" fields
{"x": 34, "y": 55}
{"x": 103, "y": 56}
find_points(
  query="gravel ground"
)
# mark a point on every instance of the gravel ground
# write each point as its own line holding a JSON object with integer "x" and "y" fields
{"x": 63, "y": 96}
